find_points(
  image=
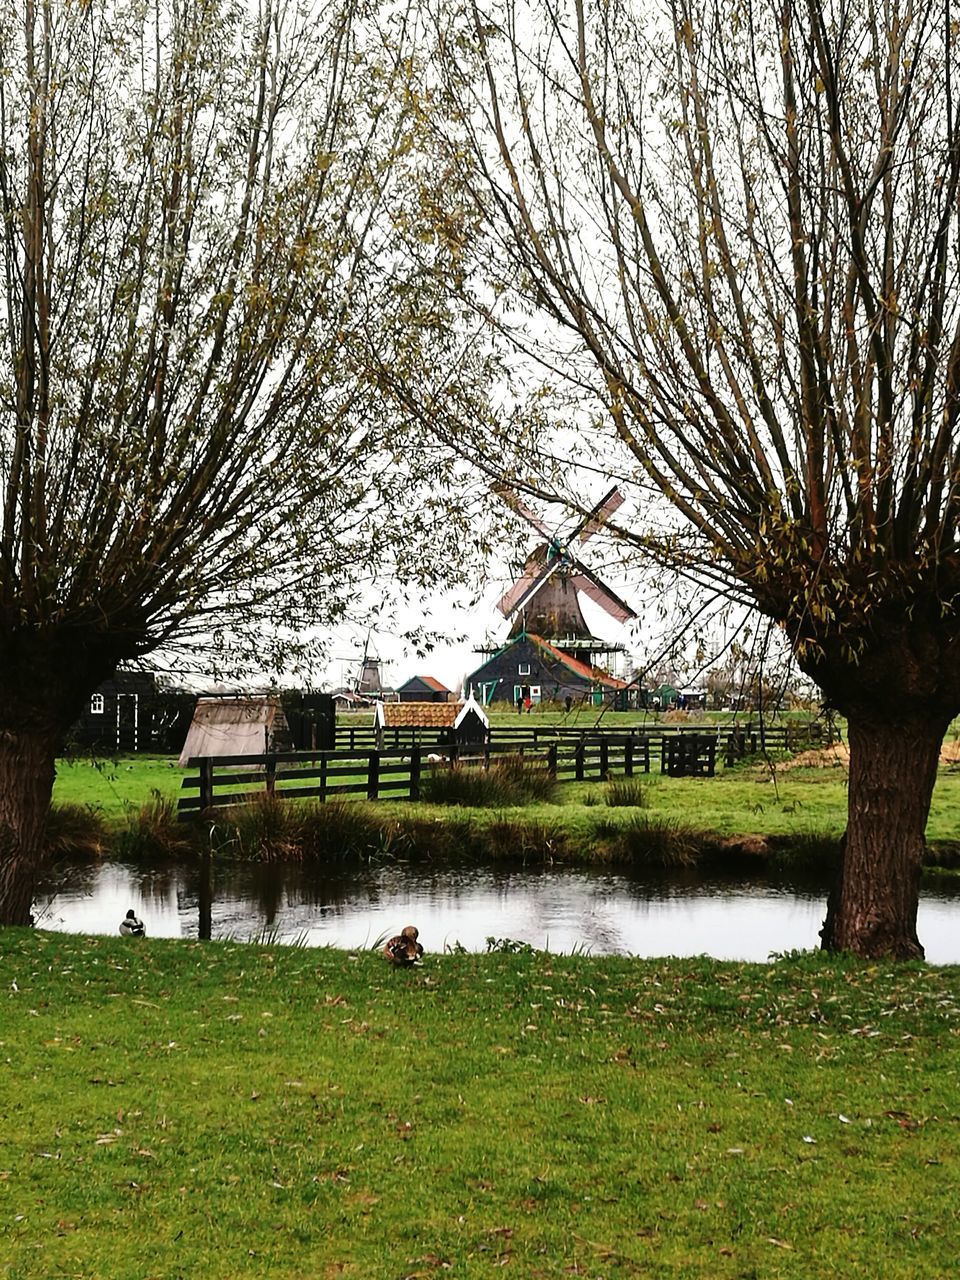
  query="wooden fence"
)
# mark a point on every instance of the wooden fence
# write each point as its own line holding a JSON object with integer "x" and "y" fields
{"x": 734, "y": 741}
{"x": 396, "y": 771}
{"x": 394, "y": 774}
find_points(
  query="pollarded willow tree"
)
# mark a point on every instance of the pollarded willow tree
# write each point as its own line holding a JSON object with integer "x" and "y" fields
{"x": 200, "y": 250}
{"x": 745, "y": 217}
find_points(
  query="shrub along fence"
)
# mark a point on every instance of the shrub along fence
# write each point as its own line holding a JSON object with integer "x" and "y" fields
{"x": 395, "y": 771}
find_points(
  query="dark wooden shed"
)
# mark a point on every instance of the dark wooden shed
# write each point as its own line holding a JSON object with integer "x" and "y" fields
{"x": 425, "y": 689}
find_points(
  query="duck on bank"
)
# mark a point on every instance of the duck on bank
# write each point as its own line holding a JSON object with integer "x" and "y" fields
{"x": 131, "y": 926}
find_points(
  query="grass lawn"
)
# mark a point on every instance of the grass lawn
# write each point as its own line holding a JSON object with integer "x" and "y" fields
{"x": 113, "y": 786}
{"x": 217, "y": 1110}
{"x": 742, "y": 800}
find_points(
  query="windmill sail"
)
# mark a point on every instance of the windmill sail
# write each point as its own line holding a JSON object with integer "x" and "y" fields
{"x": 543, "y": 600}
{"x": 600, "y": 514}
{"x": 600, "y": 594}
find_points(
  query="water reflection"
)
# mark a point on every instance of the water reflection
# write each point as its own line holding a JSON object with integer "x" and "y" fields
{"x": 603, "y": 913}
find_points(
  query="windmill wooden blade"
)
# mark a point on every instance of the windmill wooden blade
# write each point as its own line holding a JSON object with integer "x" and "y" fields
{"x": 519, "y": 589}
{"x": 526, "y": 587}
{"x": 591, "y": 586}
{"x": 599, "y": 516}
{"x": 515, "y": 503}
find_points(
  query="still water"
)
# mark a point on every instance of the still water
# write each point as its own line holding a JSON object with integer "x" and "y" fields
{"x": 555, "y": 910}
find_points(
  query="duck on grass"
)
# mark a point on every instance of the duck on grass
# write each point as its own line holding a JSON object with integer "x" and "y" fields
{"x": 403, "y": 950}
{"x": 131, "y": 926}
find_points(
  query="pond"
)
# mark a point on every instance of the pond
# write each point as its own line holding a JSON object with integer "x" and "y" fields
{"x": 596, "y": 911}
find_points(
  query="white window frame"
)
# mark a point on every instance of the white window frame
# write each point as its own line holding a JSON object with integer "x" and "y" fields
{"x": 523, "y": 668}
{"x": 97, "y": 707}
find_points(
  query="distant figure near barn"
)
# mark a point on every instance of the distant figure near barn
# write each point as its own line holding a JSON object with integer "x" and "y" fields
{"x": 404, "y": 950}
{"x": 131, "y": 926}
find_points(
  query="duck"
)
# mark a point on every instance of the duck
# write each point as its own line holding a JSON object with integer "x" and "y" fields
{"x": 404, "y": 950}
{"x": 131, "y": 926}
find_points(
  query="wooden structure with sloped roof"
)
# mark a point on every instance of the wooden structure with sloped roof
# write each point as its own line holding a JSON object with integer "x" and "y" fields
{"x": 434, "y": 722}
{"x": 236, "y": 725}
{"x": 425, "y": 689}
{"x": 529, "y": 666}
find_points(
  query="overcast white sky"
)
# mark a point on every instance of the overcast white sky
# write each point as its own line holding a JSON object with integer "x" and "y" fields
{"x": 451, "y": 661}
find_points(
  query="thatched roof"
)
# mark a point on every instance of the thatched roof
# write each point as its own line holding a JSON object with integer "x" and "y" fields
{"x": 234, "y": 726}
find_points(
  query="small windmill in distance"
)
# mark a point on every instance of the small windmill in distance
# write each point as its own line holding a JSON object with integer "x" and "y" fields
{"x": 543, "y": 600}
{"x": 369, "y": 683}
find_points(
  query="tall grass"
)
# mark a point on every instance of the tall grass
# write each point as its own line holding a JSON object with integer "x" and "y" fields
{"x": 269, "y": 829}
{"x": 75, "y": 830}
{"x": 648, "y": 840}
{"x": 626, "y": 793}
{"x": 512, "y": 780}
{"x": 153, "y": 831}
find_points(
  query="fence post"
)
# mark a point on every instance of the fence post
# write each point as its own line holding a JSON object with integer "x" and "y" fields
{"x": 628, "y": 758}
{"x": 206, "y": 783}
{"x": 323, "y": 777}
{"x": 271, "y": 775}
{"x": 552, "y": 760}
{"x": 415, "y": 762}
{"x": 604, "y": 760}
{"x": 578, "y": 760}
{"x": 373, "y": 776}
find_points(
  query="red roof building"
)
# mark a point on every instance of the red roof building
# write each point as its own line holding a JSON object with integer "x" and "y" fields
{"x": 531, "y": 667}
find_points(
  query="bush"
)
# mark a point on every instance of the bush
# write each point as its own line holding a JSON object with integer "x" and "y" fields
{"x": 510, "y": 781}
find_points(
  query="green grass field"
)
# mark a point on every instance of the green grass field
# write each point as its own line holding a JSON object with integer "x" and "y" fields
{"x": 743, "y": 800}
{"x": 218, "y": 1110}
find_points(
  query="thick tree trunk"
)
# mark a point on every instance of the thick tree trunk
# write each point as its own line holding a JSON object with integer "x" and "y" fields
{"x": 872, "y": 911}
{"x": 27, "y": 768}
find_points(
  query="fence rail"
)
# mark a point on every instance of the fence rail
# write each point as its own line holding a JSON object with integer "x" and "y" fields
{"x": 397, "y": 771}
{"x": 733, "y": 740}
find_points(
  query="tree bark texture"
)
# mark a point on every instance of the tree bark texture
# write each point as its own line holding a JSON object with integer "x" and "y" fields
{"x": 27, "y": 769}
{"x": 872, "y": 910}
{"x": 44, "y": 679}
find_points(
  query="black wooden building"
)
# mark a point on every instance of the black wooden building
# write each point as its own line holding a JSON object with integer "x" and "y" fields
{"x": 529, "y": 667}
{"x": 424, "y": 689}
{"x": 132, "y": 711}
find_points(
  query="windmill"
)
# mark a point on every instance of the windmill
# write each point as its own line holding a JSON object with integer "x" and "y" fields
{"x": 544, "y": 599}
{"x": 368, "y": 682}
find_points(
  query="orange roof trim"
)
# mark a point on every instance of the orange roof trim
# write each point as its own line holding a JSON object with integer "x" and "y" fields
{"x": 581, "y": 669}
